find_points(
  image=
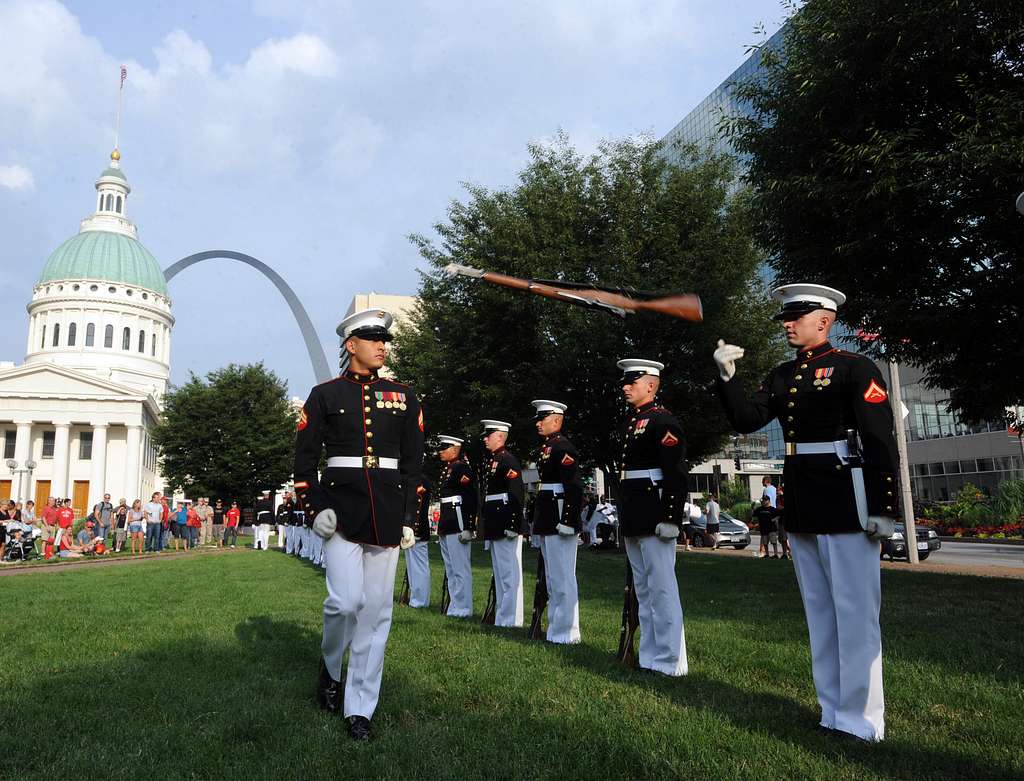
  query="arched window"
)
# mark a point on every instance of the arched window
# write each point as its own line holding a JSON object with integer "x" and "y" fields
{"x": 126, "y": 339}
{"x": 72, "y": 333}
{"x": 152, "y": 349}
{"x": 90, "y": 335}
{"x": 119, "y": 204}
{"x": 142, "y": 341}
{"x": 56, "y": 335}
{"x": 110, "y": 202}
{"x": 42, "y": 343}
{"x": 108, "y": 336}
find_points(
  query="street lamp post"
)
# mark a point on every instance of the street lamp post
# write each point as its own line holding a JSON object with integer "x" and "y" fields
{"x": 27, "y": 470}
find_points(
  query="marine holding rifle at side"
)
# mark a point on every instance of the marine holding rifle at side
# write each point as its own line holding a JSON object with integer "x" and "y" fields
{"x": 456, "y": 527}
{"x": 840, "y": 496}
{"x": 653, "y": 493}
{"x": 556, "y": 520}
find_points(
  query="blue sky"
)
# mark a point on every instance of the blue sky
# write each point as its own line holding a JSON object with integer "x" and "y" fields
{"x": 317, "y": 135}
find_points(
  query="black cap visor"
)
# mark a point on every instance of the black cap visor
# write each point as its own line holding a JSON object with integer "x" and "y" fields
{"x": 371, "y": 334}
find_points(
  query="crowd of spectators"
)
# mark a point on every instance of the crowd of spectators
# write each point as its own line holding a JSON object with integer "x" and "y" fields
{"x": 134, "y": 529}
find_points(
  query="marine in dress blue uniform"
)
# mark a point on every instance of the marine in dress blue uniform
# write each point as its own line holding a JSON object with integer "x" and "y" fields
{"x": 458, "y": 494}
{"x": 557, "y": 518}
{"x": 503, "y": 523}
{"x": 417, "y": 560}
{"x": 841, "y": 498}
{"x": 653, "y": 492}
{"x": 364, "y": 505}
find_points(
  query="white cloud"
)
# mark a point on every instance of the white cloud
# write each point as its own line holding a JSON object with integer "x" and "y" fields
{"x": 16, "y": 177}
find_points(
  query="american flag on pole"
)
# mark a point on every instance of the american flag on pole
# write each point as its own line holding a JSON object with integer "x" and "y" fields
{"x": 124, "y": 75}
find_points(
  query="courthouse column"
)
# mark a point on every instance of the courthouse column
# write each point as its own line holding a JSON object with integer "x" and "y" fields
{"x": 98, "y": 474}
{"x": 61, "y": 458}
{"x": 131, "y": 464}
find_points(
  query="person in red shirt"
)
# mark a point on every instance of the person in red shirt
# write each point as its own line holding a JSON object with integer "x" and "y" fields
{"x": 231, "y": 519}
{"x": 194, "y": 524}
{"x": 65, "y": 520}
{"x": 48, "y": 515}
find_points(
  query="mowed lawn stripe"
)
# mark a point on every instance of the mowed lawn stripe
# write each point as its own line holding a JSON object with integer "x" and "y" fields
{"x": 203, "y": 667}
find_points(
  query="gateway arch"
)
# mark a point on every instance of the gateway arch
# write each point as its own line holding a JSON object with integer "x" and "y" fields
{"x": 316, "y": 352}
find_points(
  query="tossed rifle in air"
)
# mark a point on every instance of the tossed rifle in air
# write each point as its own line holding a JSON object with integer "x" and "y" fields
{"x": 492, "y": 605}
{"x": 630, "y": 621}
{"x": 540, "y": 601}
{"x": 446, "y": 597}
{"x": 618, "y": 301}
{"x": 403, "y": 596}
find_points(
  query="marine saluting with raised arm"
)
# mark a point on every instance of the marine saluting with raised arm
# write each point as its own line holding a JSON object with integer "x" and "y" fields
{"x": 840, "y": 496}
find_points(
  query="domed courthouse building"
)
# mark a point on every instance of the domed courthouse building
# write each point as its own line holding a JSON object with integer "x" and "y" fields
{"x": 76, "y": 415}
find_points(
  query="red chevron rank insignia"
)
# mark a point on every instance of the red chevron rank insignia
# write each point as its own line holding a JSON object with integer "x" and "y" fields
{"x": 670, "y": 439}
{"x": 303, "y": 420}
{"x": 875, "y": 394}
{"x": 568, "y": 460}
{"x": 464, "y": 480}
{"x": 512, "y": 474}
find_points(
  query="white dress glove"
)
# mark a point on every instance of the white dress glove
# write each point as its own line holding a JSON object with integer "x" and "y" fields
{"x": 408, "y": 538}
{"x": 325, "y": 523}
{"x": 511, "y": 534}
{"x": 465, "y": 537}
{"x": 565, "y": 531}
{"x": 666, "y": 531}
{"x": 881, "y": 527}
{"x": 726, "y": 356}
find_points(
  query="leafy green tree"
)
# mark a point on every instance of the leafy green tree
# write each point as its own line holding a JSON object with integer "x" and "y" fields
{"x": 885, "y": 151}
{"x": 229, "y": 436}
{"x": 622, "y": 217}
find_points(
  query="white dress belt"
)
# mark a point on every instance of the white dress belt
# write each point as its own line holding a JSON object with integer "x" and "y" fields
{"x": 361, "y": 462}
{"x": 451, "y": 500}
{"x": 496, "y": 498}
{"x": 838, "y": 448}
{"x": 555, "y": 488}
{"x": 638, "y": 474}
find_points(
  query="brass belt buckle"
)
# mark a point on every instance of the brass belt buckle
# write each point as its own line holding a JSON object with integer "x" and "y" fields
{"x": 370, "y": 462}
{"x": 791, "y": 448}
{"x": 622, "y": 475}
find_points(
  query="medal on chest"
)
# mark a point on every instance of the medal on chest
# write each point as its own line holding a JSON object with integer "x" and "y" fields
{"x": 640, "y": 427}
{"x": 823, "y": 376}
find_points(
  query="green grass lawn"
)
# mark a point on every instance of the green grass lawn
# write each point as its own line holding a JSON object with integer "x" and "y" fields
{"x": 203, "y": 667}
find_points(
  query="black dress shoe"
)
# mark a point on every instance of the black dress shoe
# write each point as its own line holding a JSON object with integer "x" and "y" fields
{"x": 328, "y": 691}
{"x": 359, "y": 727}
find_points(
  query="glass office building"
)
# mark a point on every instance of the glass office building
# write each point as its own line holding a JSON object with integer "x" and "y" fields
{"x": 944, "y": 453}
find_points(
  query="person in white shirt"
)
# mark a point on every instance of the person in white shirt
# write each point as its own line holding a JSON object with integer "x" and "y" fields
{"x": 154, "y": 519}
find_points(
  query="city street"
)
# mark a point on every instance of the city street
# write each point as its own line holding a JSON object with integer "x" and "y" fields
{"x": 956, "y": 553}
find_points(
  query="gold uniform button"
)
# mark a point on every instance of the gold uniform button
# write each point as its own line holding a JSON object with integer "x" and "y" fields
{"x": 888, "y": 479}
{"x": 369, "y": 422}
{"x": 803, "y": 365}
{"x": 810, "y": 353}
{"x": 369, "y": 448}
{"x": 798, "y": 377}
{"x": 792, "y": 433}
{"x": 792, "y": 390}
{"x": 839, "y": 467}
{"x": 366, "y": 409}
{"x": 369, "y": 433}
{"x": 366, "y": 398}
{"x": 791, "y": 404}
{"x": 789, "y": 419}
{"x": 888, "y": 507}
{"x": 888, "y": 493}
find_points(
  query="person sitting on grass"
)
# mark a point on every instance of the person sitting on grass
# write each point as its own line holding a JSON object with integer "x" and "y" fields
{"x": 86, "y": 540}
{"x": 179, "y": 525}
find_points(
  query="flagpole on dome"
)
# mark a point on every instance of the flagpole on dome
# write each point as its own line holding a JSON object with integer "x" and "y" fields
{"x": 116, "y": 154}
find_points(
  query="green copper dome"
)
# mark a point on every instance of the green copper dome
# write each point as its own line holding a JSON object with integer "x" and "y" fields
{"x": 108, "y": 256}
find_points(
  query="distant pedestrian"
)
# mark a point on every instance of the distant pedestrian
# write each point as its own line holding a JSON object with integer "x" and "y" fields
{"x": 137, "y": 526}
{"x": 205, "y": 514}
{"x": 231, "y": 520}
{"x": 194, "y": 526}
{"x": 120, "y": 525}
{"x": 218, "y": 521}
{"x": 104, "y": 512}
{"x": 65, "y": 522}
{"x": 767, "y": 518}
{"x": 767, "y": 489}
{"x": 713, "y": 512}
{"x": 154, "y": 523}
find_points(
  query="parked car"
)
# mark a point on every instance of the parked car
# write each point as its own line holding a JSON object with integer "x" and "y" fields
{"x": 731, "y": 531}
{"x": 896, "y": 546}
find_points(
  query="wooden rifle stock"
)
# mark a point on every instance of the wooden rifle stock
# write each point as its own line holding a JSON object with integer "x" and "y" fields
{"x": 630, "y": 621}
{"x": 684, "y": 306}
{"x": 492, "y": 605}
{"x": 540, "y": 601}
{"x": 403, "y": 597}
{"x": 446, "y": 597}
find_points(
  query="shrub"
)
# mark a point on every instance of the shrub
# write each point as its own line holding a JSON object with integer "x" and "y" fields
{"x": 742, "y": 511}
{"x": 1009, "y": 501}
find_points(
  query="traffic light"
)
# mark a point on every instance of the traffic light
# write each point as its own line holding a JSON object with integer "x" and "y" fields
{"x": 736, "y": 463}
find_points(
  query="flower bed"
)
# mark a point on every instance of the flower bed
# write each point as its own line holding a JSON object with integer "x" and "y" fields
{"x": 1006, "y": 531}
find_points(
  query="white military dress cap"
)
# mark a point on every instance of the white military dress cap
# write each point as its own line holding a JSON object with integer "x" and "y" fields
{"x": 372, "y": 324}
{"x": 633, "y": 368}
{"x": 445, "y": 441}
{"x": 495, "y": 425}
{"x": 545, "y": 407}
{"x": 799, "y": 299}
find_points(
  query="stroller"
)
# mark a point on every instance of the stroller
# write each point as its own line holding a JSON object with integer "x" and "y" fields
{"x": 21, "y": 543}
